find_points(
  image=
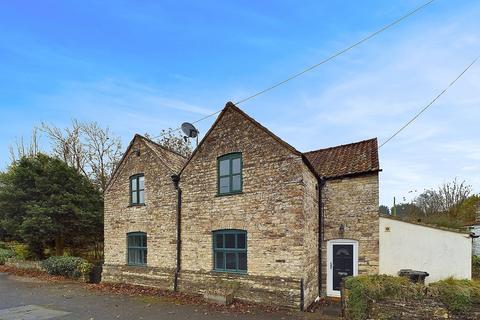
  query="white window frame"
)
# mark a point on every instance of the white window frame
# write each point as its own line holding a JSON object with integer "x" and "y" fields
{"x": 330, "y": 243}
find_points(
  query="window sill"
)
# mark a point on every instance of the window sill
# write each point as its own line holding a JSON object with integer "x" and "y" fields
{"x": 136, "y": 205}
{"x": 228, "y": 194}
{"x": 136, "y": 265}
{"x": 230, "y": 272}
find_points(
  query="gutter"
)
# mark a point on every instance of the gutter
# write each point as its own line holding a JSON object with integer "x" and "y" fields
{"x": 353, "y": 174}
{"x": 176, "y": 181}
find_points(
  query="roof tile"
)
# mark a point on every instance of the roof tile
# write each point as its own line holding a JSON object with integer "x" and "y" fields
{"x": 344, "y": 160}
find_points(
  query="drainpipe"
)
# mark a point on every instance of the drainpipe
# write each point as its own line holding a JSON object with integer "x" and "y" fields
{"x": 302, "y": 296}
{"x": 176, "y": 180}
{"x": 321, "y": 184}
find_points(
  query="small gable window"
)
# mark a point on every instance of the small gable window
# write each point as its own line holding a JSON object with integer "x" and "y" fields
{"x": 137, "y": 248}
{"x": 230, "y": 250}
{"x": 230, "y": 174}
{"x": 137, "y": 189}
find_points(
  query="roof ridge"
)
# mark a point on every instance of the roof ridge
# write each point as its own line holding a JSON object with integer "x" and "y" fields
{"x": 341, "y": 145}
{"x": 231, "y": 105}
{"x": 261, "y": 126}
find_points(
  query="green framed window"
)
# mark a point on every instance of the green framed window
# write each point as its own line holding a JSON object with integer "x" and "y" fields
{"x": 230, "y": 251}
{"x": 137, "y": 248}
{"x": 230, "y": 174}
{"x": 137, "y": 189}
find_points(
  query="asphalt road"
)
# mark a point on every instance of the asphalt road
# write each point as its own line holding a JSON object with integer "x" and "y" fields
{"x": 32, "y": 299}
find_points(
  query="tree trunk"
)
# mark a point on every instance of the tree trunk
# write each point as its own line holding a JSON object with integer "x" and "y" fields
{"x": 59, "y": 245}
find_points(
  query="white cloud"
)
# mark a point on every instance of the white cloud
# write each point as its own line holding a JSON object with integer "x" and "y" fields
{"x": 384, "y": 84}
{"x": 119, "y": 97}
{"x": 371, "y": 91}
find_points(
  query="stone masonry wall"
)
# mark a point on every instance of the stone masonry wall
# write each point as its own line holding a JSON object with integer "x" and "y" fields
{"x": 310, "y": 241}
{"x": 156, "y": 218}
{"x": 261, "y": 289}
{"x": 426, "y": 309}
{"x": 154, "y": 277}
{"x": 352, "y": 202}
{"x": 270, "y": 209}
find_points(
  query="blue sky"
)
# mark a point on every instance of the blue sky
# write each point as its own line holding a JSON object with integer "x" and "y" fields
{"x": 143, "y": 66}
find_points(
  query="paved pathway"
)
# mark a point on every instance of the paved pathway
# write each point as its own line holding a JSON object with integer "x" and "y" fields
{"x": 29, "y": 299}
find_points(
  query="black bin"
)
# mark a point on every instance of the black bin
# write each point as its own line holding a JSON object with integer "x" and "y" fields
{"x": 414, "y": 275}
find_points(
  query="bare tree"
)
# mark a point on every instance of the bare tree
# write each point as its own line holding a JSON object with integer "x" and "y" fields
{"x": 67, "y": 145}
{"x": 448, "y": 196}
{"x": 175, "y": 141}
{"x": 453, "y": 193}
{"x": 103, "y": 151}
{"x": 20, "y": 149}
{"x": 92, "y": 150}
{"x": 429, "y": 202}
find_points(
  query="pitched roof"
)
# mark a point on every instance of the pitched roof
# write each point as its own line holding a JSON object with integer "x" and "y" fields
{"x": 231, "y": 106}
{"x": 171, "y": 159}
{"x": 345, "y": 160}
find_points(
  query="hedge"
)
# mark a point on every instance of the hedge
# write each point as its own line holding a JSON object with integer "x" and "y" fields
{"x": 70, "y": 267}
{"x": 363, "y": 289}
{"x": 458, "y": 296}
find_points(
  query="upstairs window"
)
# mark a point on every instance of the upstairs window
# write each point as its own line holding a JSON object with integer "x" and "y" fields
{"x": 137, "y": 248}
{"x": 137, "y": 189}
{"x": 230, "y": 251}
{"x": 230, "y": 174}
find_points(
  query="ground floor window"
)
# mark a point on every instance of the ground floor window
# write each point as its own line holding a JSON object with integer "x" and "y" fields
{"x": 230, "y": 251}
{"x": 137, "y": 248}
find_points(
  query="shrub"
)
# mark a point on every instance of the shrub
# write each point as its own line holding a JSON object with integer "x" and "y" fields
{"x": 22, "y": 251}
{"x": 476, "y": 267}
{"x": 70, "y": 267}
{"x": 363, "y": 289}
{"x": 5, "y": 254}
{"x": 85, "y": 268}
{"x": 476, "y": 261}
{"x": 457, "y": 295}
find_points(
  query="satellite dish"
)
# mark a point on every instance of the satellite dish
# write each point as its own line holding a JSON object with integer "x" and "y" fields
{"x": 189, "y": 130}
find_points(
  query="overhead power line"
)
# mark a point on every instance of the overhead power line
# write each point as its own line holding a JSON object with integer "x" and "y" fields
{"x": 359, "y": 158}
{"x": 429, "y": 104}
{"x": 331, "y": 57}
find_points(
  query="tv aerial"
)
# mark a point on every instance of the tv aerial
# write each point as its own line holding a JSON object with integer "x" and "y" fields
{"x": 190, "y": 131}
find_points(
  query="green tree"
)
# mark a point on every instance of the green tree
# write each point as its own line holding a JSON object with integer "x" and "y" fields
{"x": 44, "y": 202}
{"x": 444, "y": 200}
{"x": 467, "y": 210}
{"x": 384, "y": 209}
{"x": 406, "y": 210}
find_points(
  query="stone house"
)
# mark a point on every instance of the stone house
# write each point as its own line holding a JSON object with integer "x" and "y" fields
{"x": 245, "y": 212}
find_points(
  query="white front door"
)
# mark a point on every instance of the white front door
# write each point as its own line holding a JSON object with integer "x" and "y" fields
{"x": 342, "y": 261}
